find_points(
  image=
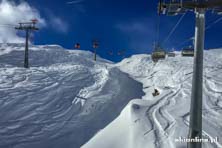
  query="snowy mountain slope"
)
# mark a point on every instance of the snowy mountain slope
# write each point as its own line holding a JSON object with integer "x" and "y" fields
{"x": 45, "y": 55}
{"x": 156, "y": 122}
{"x": 62, "y": 100}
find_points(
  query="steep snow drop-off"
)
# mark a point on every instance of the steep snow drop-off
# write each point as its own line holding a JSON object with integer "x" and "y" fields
{"x": 62, "y": 100}
{"x": 156, "y": 122}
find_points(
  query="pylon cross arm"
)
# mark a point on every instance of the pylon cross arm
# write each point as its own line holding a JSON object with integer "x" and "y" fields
{"x": 181, "y": 7}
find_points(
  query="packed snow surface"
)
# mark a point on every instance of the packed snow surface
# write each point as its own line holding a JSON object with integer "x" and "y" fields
{"x": 157, "y": 122}
{"x": 65, "y": 99}
{"x": 62, "y": 100}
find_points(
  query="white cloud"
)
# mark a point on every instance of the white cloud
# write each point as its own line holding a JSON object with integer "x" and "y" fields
{"x": 12, "y": 13}
{"x": 57, "y": 23}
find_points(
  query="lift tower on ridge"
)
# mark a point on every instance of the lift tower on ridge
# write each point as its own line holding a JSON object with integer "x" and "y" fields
{"x": 27, "y": 27}
{"x": 175, "y": 7}
{"x": 95, "y": 47}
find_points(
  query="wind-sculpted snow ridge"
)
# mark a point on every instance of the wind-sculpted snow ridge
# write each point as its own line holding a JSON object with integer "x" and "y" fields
{"x": 157, "y": 122}
{"x": 62, "y": 100}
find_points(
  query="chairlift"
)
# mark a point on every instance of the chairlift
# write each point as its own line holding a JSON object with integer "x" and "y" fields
{"x": 95, "y": 44}
{"x": 162, "y": 7}
{"x": 77, "y": 46}
{"x": 158, "y": 54}
{"x": 171, "y": 54}
{"x": 175, "y": 9}
{"x": 110, "y": 53}
{"x": 121, "y": 52}
{"x": 188, "y": 52}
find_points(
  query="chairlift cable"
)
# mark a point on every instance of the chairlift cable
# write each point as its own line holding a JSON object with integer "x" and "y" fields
{"x": 158, "y": 27}
{"x": 215, "y": 22}
{"x": 174, "y": 28}
{"x": 185, "y": 41}
{"x": 207, "y": 28}
{"x": 158, "y": 31}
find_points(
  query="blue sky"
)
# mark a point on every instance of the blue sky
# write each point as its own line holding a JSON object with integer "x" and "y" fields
{"x": 128, "y": 25}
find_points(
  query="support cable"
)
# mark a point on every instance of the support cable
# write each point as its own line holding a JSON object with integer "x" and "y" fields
{"x": 214, "y": 23}
{"x": 174, "y": 28}
{"x": 207, "y": 28}
{"x": 157, "y": 40}
{"x": 157, "y": 31}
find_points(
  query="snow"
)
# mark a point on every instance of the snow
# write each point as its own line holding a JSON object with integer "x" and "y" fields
{"x": 62, "y": 100}
{"x": 156, "y": 122}
{"x": 65, "y": 99}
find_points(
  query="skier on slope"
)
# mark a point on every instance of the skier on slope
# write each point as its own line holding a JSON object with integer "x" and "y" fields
{"x": 156, "y": 92}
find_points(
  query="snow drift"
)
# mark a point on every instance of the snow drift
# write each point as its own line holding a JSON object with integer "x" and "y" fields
{"x": 62, "y": 100}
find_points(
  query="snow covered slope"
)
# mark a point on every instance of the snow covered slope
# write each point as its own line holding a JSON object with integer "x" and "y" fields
{"x": 62, "y": 100}
{"x": 156, "y": 122}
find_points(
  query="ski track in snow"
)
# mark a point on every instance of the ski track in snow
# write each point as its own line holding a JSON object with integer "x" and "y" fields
{"x": 163, "y": 123}
{"x": 167, "y": 115}
{"x": 62, "y": 100}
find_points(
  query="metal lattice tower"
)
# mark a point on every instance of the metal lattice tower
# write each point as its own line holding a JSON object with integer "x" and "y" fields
{"x": 175, "y": 7}
{"x": 27, "y": 27}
